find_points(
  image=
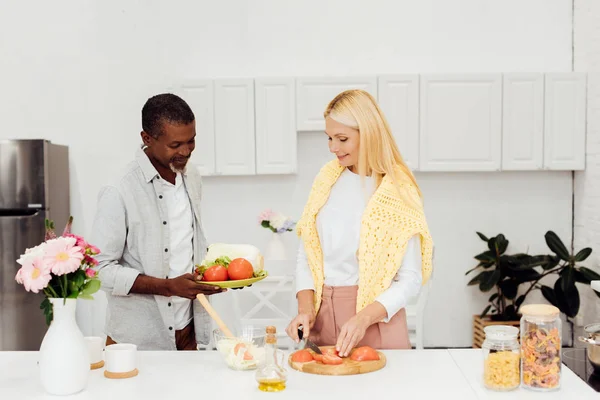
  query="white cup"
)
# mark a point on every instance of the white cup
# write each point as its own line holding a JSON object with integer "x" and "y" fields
{"x": 120, "y": 357}
{"x": 95, "y": 345}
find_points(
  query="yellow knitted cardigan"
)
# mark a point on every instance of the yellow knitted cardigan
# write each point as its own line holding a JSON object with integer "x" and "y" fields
{"x": 392, "y": 216}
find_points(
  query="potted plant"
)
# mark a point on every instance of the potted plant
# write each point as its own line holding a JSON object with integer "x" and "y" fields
{"x": 502, "y": 274}
{"x": 505, "y": 274}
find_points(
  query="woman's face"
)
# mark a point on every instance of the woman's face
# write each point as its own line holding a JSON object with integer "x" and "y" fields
{"x": 343, "y": 142}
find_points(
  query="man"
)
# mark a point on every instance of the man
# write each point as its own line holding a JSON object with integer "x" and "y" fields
{"x": 149, "y": 231}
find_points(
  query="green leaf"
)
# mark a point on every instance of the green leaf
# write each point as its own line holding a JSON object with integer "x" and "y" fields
{"x": 528, "y": 275}
{"x": 46, "y": 306}
{"x": 501, "y": 244}
{"x": 492, "y": 244}
{"x": 549, "y": 295}
{"x": 472, "y": 269}
{"x": 86, "y": 296}
{"x": 588, "y": 274}
{"x": 568, "y": 279}
{"x": 482, "y": 236}
{"x": 509, "y": 288}
{"x": 520, "y": 301}
{"x": 486, "y": 256}
{"x": 541, "y": 261}
{"x": 485, "y": 311}
{"x": 568, "y": 302}
{"x": 493, "y": 297}
{"x": 91, "y": 287}
{"x": 583, "y": 254}
{"x": 556, "y": 245}
{"x": 490, "y": 280}
{"x": 477, "y": 279}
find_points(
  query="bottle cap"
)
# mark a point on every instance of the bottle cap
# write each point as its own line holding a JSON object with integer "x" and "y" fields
{"x": 271, "y": 330}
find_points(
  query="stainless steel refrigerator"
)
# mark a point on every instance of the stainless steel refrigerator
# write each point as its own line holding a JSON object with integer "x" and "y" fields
{"x": 34, "y": 185}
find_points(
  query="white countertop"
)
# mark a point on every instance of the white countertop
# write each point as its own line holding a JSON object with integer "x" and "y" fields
{"x": 183, "y": 375}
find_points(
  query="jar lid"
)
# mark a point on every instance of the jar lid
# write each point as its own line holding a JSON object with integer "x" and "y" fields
{"x": 539, "y": 310}
{"x": 501, "y": 332}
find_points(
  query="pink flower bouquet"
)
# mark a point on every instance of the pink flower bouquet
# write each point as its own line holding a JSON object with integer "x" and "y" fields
{"x": 60, "y": 267}
{"x": 276, "y": 222}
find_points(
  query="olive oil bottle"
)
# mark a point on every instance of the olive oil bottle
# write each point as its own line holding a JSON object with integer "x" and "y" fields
{"x": 271, "y": 376}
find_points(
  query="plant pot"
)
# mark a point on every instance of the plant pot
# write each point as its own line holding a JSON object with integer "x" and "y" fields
{"x": 64, "y": 358}
{"x": 480, "y": 323}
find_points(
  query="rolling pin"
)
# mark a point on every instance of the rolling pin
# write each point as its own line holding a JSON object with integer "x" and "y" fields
{"x": 211, "y": 311}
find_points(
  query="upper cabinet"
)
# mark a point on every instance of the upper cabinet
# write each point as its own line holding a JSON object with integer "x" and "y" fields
{"x": 234, "y": 127}
{"x": 523, "y": 122}
{"x": 313, "y": 95}
{"x": 441, "y": 122}
{"x": 276, "y": 138}
{"x": 399, "y": 101}
{"x": 564, "y": 122}
{"x": 460, "y": 122}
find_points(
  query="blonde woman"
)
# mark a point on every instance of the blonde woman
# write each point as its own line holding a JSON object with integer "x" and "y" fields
{"x": 365, "y": 245}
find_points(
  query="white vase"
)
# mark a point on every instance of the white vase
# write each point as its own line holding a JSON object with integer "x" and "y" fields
{"x": 275, "y": 248}
{"x": 64, "y": 358}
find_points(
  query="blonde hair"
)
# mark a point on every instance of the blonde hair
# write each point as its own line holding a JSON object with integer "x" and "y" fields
{"x": 378, "y": 153}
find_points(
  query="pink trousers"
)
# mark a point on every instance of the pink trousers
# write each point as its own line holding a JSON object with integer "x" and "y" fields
{"x": 339, "y": 305}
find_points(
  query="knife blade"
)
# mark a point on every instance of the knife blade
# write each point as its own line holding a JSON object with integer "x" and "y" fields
{"x": 308, "y": 343}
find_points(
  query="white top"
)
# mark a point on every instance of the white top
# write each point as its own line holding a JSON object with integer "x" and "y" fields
{"x": 427, "y": 374}
{"x": 181, "y": 233}
{"x": 338, "y": 226}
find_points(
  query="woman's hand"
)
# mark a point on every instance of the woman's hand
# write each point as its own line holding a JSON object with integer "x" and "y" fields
{"x": 304, "y": 319}
{"x": 355, "y": 328}
{"x": 351, "y": 333}
{"x": 306, "y": 315}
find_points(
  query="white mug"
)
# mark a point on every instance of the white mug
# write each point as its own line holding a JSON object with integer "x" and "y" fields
{"x": 120, "y": 357}
{"x": 95, "y": 345}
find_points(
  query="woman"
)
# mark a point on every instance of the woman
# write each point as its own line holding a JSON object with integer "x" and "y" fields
{"x": 365, "y": 245}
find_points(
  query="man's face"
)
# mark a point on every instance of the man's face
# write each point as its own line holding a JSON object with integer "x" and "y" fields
{"x": 174, "y": 147}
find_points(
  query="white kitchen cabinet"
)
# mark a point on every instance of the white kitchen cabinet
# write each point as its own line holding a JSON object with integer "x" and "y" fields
{"x": 398, "y": 98}
{"x": 234, "y": 127}
{"x": 199, "y": 95}
{"x": 276, "y": 136}
{"x": 460, "y": 119}
{"x": 313, "y": 94}
{"x": 564, "y": 122}
{"x": 523, "y": 122}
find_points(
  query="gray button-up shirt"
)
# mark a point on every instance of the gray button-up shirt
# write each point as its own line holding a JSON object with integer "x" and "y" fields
{"x": 129, "y": 231}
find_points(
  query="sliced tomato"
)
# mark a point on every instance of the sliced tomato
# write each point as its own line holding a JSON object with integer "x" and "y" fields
{"x": 364, "y": 353}
{"x": 331, "y": 359}
{"x": 318, "y": 357}
{"x": 242, "y": 346}
{"x": 302, "y": 356}
{"x": 329, "y": 350}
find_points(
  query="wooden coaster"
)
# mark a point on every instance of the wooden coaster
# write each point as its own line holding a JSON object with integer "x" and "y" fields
{"x": 97, "y": 365}
{"x": 121, "y": 375}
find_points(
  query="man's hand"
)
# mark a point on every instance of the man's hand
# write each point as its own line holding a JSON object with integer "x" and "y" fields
{"x": 188, "y": 287}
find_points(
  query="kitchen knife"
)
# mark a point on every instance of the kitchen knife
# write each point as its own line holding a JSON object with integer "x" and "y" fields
{"x": 308, "y": 343}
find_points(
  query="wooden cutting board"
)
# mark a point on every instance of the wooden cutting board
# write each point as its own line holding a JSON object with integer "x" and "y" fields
{"x": 349, "y": 367}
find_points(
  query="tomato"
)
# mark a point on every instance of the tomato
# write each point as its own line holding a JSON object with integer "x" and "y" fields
{"x": 318, "y": 357}
{"x": 329, "y": 350}
{"x": 302, "y": 356}
{"x": 240, "y": 268}
{"x": 215, "y": 273}
{"x": 238, "y": 347}
{"x": 331, "y": 359}
{"x": 364, "y": 353}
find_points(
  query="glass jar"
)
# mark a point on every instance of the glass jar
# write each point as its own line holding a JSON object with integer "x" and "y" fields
{"x": 271, "y": 375}
{"x": 541, "y": 339}
{"x": 501, "y": 358}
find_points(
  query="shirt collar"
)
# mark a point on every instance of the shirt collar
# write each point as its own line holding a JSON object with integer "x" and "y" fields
{"x": 148, "y": 169}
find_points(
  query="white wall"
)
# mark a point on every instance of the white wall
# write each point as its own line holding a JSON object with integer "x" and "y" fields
{"x": 587, "y": 183}
{"x": 78, "y": 73}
